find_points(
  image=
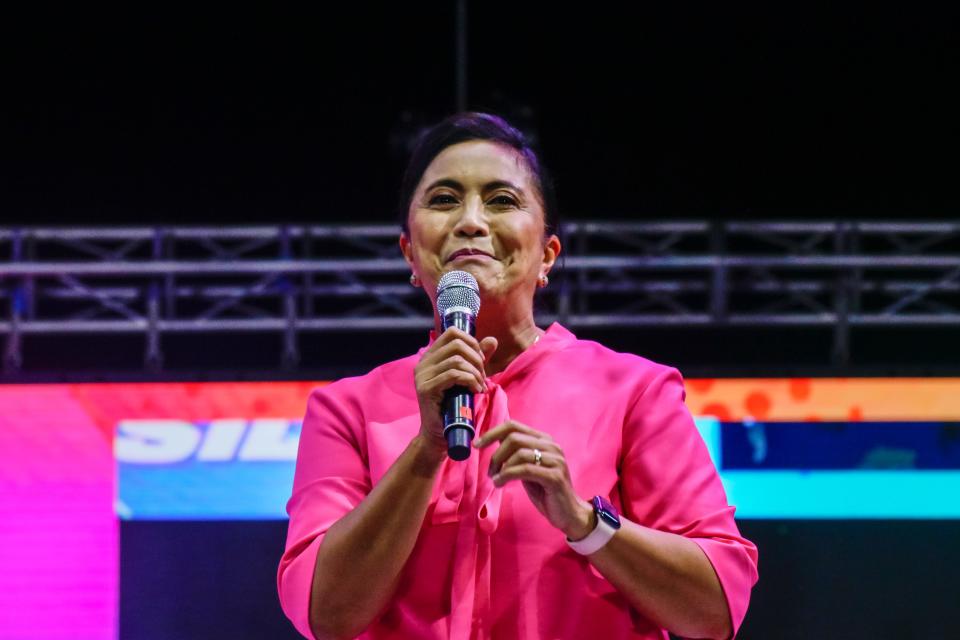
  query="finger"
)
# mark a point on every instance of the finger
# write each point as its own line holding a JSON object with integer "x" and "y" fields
{"x": 512, "y": 444}
{"x": 454, "y": 333}
{"x": 488, "y": 345}
{"x": 460, "y": 363}
{"x": 528, "y": 456}
{"x": 454, "y": 377}
{"x": 458, "y": 348}
{"x": 501, "y": 431}
{"x": 453, "y": 350}
{"x": 530, "y": 472}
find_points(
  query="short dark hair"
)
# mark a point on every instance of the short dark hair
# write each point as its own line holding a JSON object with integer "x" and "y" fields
{"x": 472, "y": 125}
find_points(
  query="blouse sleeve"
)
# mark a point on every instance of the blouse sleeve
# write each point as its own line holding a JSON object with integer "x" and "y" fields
{"x": 330, "y": 480}
{"x": 668, "y": 482}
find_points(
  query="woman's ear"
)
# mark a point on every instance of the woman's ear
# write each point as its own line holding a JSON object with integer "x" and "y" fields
{"x": 406, "y": 249}
{"x": 551, "y": 249}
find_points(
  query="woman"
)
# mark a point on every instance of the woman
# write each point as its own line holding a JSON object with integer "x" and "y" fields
{"x": 390, "y": 538}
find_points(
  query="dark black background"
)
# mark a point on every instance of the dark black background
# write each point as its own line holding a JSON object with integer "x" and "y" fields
{"x": 782, "y": 111}
{"x": 236, "y": 116}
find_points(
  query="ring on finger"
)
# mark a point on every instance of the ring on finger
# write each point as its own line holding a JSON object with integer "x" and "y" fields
{"x": 537, "y": 457}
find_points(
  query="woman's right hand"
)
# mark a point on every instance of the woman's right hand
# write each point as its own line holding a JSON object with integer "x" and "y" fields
{"x": 454, "y": 358}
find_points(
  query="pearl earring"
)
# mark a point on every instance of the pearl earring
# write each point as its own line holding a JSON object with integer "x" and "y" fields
{"x": 544, "y": 281}
{"x": 414, "y": 280}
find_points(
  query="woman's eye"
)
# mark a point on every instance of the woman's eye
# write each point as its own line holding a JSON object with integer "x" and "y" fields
{"x": 503, "y": 201}
{"x": 442, "y": 199}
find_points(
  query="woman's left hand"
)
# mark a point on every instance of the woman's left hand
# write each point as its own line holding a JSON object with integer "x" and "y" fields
{"x": 548, "y": 484}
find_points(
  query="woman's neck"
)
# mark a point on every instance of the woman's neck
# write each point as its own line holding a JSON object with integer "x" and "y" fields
{"x": 512, "y": 326}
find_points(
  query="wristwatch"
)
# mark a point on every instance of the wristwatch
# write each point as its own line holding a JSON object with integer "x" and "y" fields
{"x": 608, "y": 521}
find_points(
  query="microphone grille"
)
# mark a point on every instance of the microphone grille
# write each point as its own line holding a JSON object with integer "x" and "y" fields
{"x": 458, "y": 289}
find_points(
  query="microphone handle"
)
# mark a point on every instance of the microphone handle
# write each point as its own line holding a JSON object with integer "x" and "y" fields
{"x": 457, "y": 410}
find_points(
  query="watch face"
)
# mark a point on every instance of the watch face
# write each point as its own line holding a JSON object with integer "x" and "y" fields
{"x": 606, "y": 511}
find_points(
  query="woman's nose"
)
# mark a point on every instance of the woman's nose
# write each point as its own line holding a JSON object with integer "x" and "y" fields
{"x": 473, "y": 219}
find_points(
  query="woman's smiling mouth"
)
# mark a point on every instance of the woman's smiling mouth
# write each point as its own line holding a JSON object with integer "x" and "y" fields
{"x": 465, "y": 254}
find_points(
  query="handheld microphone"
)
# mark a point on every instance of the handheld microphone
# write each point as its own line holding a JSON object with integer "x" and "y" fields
{"x": 458, "y": 303}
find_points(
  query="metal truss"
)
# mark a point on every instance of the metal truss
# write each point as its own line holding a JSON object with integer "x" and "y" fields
{"x": 294, "y": 279}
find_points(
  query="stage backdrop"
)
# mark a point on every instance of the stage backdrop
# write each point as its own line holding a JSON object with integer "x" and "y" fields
{"x": 78, "y": 458}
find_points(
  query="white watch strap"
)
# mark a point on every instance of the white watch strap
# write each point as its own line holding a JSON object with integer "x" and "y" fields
{"x": 600, "y": 536}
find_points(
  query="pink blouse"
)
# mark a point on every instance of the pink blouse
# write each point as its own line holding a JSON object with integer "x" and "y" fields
{"x": 486, "y": 563}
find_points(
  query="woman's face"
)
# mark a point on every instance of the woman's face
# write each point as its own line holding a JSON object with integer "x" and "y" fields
{"x": 479, "y": 196}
